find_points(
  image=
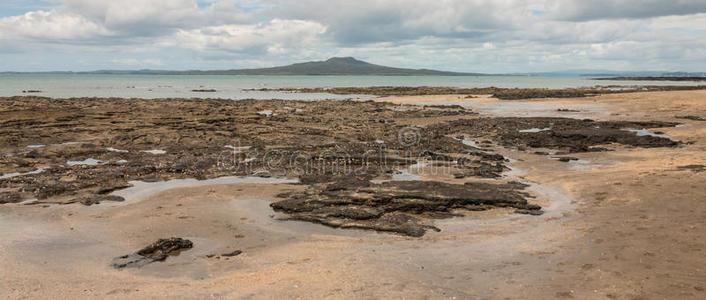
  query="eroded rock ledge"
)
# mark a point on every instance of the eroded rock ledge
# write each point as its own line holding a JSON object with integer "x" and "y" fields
{"x": 397, "y": 206}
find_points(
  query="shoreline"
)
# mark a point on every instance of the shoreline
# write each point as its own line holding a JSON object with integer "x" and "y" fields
{"x": 619, "y": 228}
{"x": 499, "y": 93}
{"x": 653, "y": 78}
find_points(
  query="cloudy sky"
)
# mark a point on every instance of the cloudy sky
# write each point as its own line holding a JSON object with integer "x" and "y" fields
{"x": 496, "y": 36}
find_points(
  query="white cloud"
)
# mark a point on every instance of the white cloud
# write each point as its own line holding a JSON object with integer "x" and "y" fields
{"x": 121, "y": 19}
{"x": 133, "y": 62}
{"x": 274, "y": 37}
{"x": 155, "y": 16}
{"x": 695, "y": 22}
{"x": 50, "y": 25}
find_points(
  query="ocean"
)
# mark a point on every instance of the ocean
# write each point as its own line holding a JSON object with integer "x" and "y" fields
{"x": 232, "y": 87}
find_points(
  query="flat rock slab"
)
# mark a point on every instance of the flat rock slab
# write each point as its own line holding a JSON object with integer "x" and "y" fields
{"x": 404, "y": 207}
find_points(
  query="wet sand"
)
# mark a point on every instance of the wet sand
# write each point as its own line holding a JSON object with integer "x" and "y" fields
{"x": 622, "y": 224}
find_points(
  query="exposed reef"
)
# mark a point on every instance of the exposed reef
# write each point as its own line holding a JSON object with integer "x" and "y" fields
{"x": 500, "y": 93}
{"x": 347, "y": 153}
{"x": 655, "y": 78}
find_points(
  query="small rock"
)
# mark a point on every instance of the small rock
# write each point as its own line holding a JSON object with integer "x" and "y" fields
{"x": 693, "y": 118}
{"x": 694, "y": 168}
{"x": 231, "y": 254}
{"x": 529, "y": 212}
{"x": 162, "y": 248}
{"x": 157, "y": 251}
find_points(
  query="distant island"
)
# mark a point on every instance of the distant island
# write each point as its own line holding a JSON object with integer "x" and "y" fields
{"x": 332, "y": 66}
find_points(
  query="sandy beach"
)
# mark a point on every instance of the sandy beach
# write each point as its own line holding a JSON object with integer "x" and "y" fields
{"x": 318, "y": 149}
{"x": 590, "y": 197}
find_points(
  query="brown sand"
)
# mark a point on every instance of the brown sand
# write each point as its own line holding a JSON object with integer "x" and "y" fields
{"x": 626, "y": 225}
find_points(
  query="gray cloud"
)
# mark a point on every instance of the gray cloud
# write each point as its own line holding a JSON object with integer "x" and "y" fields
{"x": 369, "y": 21}
{"x": 582, "y": 10}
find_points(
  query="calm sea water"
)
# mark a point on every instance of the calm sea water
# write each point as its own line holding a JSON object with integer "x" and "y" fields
{"x": 232, "y": 87}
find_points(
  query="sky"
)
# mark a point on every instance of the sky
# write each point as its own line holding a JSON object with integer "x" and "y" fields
{"x": 499, "y": 36}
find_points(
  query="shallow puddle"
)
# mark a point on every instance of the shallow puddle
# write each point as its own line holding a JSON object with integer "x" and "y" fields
{"x": 534, "y": 130}
{"x": 524, "y": 109}
{"x": 581, "y": 164}
{"x": 261, "y": 215}
{"x": 87, "y": 162}
{"x": 238, "y": 149}
{"x": 265, "y": 112}
{"x": 155, "y": 151}
{"x": 559, "y": 203}
{"x": 116, "y": 150}
{"x": 141, "y": 189}
{"x": 470, "y": 143}
{"x": 645, "y": 132}
{"x": 10, "y": 175}
{"x": 406, "y": 174}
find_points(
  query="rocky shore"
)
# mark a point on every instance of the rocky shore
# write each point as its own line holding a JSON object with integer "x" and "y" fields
{"x": 500, "y": 93}
{"x": 62, "y": 151}
{"x": 655, "y": 78}
{"x": 451, "y": 197}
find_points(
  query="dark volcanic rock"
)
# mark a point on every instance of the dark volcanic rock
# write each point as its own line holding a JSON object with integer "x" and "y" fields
{"x": 97, "y": 199}
{"x": 162, "y": 248}
{"x": 571, "y": 135}
{"x": 693, "y": 118}
{"x": 529, "y": 212}
{"x": 396, "y": 206}
{"x": 157, "y": 251}
{"x": 335, "y": 148}
{"x": 694, "y": 168}
{"x": 9, "y": 197}
{"x": 130, "y": 261}
{"x": 312, "y": 140}
{"x": 516, "y": 94}
{"x": 231, "y": 254}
